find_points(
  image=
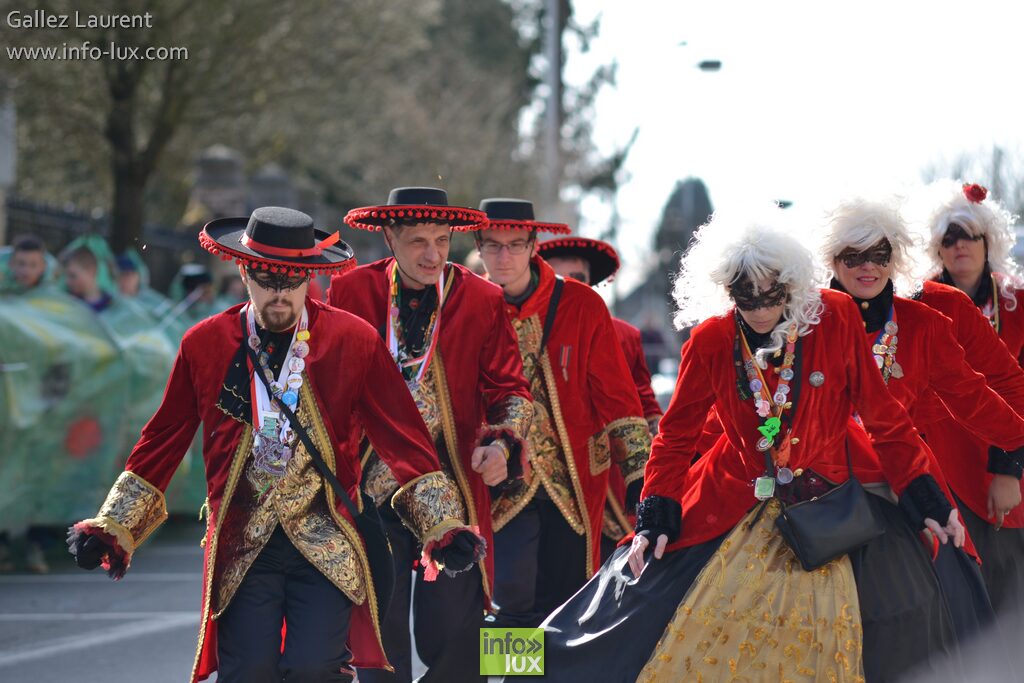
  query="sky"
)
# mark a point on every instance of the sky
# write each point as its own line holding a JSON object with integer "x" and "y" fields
{"x": 814, "y": 100}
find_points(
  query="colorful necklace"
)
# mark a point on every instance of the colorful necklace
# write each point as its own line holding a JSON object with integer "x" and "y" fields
{"x": 884, "y": 348}
{"x": 770, "y": 407}
{"x": 412, "y": 367}
{"x": 273, "y": 433}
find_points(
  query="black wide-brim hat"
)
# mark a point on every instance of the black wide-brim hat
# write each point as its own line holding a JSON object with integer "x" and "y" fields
{"x": 278, "y": 240}
{"x": 517, "y": 214}
{"x": 602, "y": 257}
{"x": 424, "y": 204}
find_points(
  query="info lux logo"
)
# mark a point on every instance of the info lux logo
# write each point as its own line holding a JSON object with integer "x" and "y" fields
{"x": 511, "y": 652}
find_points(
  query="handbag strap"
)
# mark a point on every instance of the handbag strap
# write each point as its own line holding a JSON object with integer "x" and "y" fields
{"x": 314, "y": 452}
{"x": 549, "y": 319}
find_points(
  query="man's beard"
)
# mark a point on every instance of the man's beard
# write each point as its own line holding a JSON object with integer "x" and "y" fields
{"x": 277, "y": 320}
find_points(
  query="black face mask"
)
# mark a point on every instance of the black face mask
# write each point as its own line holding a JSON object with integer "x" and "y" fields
{"x": 955, "y": 232}
{"x": 276, "y": 282}
{"x": 880, "y": 254}
{"x": 741, "y": 291}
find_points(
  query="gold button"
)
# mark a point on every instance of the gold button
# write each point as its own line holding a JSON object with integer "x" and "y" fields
{"x": 799, "y": 471}
{"x": 864, "y": 305}
{"x": 794, "y": 441}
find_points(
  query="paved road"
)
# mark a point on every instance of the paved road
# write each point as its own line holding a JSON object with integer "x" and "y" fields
{"x": 80, "y": 626}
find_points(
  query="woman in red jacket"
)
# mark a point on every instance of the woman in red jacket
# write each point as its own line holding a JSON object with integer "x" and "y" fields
{"x": 969, "y": 238}
{"x": 722, "y": 595}
{"x": 867, "y": 245}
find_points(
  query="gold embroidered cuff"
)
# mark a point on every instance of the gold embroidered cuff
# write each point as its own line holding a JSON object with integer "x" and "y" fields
{"x": 512, "y": 416}
{"x": 430, "y": 506}
{"x": 629, "y": 439}
{"x": 133, "y": 510}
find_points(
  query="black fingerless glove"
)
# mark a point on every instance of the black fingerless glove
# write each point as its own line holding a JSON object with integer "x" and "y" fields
{"x": 1003, "y": 462}
{"x": 924, "y": 499}
{"x": 657, "y": 515}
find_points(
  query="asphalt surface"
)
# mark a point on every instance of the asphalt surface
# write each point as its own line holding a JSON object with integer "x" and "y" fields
{"x": 73, "y": 625}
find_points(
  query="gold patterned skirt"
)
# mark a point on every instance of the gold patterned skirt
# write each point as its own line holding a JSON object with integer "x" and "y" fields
{"x": 754, "y": 615}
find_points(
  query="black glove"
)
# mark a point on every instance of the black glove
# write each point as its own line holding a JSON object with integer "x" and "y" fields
{"x": 923, "y": 499}
{"x": 88, "y": 550}
{"x": 656, "y": 515}
{"x": 464, "y": 550}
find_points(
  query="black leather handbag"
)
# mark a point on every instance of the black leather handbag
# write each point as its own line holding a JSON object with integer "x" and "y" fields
{"x": 828, "y": 526}
{"x": 368, "y": 522}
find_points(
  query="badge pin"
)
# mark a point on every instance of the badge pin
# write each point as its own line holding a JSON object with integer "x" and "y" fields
{"x": 254, "y": 342}
{"x": 897, "y": 370}
{"x": 817, "y": 378}
{"x": 300, "y": 349}
{"x": 787, "y": 374}
{"x": 296, "y": 365}
{"x": 891, "y": 328}
{"x": 764, "y": 488}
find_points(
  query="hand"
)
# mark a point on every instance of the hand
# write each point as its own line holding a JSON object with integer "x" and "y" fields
{"x": 89, "y": 551}
{"x": 953, "y": 529}
{"x": 464, "y": 551}
{"x": 489, "y": 462}
{"x": 1003, "y": 496}
{"x": 635, "y": 556}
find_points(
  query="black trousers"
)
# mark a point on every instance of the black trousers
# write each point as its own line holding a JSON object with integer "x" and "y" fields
{"x": 539, "y": 562}
{"x": 447, "y": 616}
{"x": 281, "y": 586}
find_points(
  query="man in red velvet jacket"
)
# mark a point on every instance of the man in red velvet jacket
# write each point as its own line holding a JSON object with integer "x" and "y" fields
{"x": 281, "y": 549}
{"x": 594, "y": 262}
{"x": 586, "y": 416}
{"x": 447, "y": 330}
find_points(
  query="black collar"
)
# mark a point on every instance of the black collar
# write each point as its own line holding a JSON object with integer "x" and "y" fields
{"x": 981, "y": 297}
{"x": 874, "y": 312}
{"x": 518, "y": 301}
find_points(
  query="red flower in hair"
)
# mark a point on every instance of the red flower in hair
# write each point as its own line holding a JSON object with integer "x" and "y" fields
{"x": 975, "y": 192}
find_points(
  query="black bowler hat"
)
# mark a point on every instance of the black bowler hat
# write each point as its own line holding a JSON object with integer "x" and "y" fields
{"x": 602, "y": 257}
{"x": 279, "y": 240}
{"x": 517, "y": 214}
{"x": 423, "y": 204}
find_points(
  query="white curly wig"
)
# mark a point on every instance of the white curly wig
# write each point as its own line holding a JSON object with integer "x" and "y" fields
{"x": 861, "y": 223}
{"x": 752, "y": 244}
{"x": 944, "y": 202}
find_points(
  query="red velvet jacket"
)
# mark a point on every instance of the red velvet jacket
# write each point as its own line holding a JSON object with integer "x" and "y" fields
{"x": 593, "y": 396}
{"x": 715, "y": 501}
{"x": 957, "y": 448}
{"x": 633, "y": 350}
{"x": 483, "y": 368}
{"x": 364, "y": 391}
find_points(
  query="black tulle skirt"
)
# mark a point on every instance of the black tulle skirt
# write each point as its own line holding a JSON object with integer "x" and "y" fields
{"x": 907, "y": 625}
{"x": 1002, "y": 556}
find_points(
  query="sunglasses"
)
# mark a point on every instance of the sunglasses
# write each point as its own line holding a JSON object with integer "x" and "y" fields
{"x": 955, "y": 233}
{"x": 880, "y": 255}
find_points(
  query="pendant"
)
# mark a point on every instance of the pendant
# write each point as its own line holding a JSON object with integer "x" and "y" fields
{"x": 764, "y": 488}
{"x": 896, "y": 371}
{"x": 271, "y": 456}
{"x": 879, "y": 361}
{"x": 891, "y": 327}
{"x": 879, "y": 349}
{"x": 816, "y": 379}
{"x": 764, "y": 443}
{"x": 254, "y": 342}
{"x": 784, "y": 475}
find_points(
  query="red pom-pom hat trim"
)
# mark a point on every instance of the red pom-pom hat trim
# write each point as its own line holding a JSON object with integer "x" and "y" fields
{"x": 459, "y": 218}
